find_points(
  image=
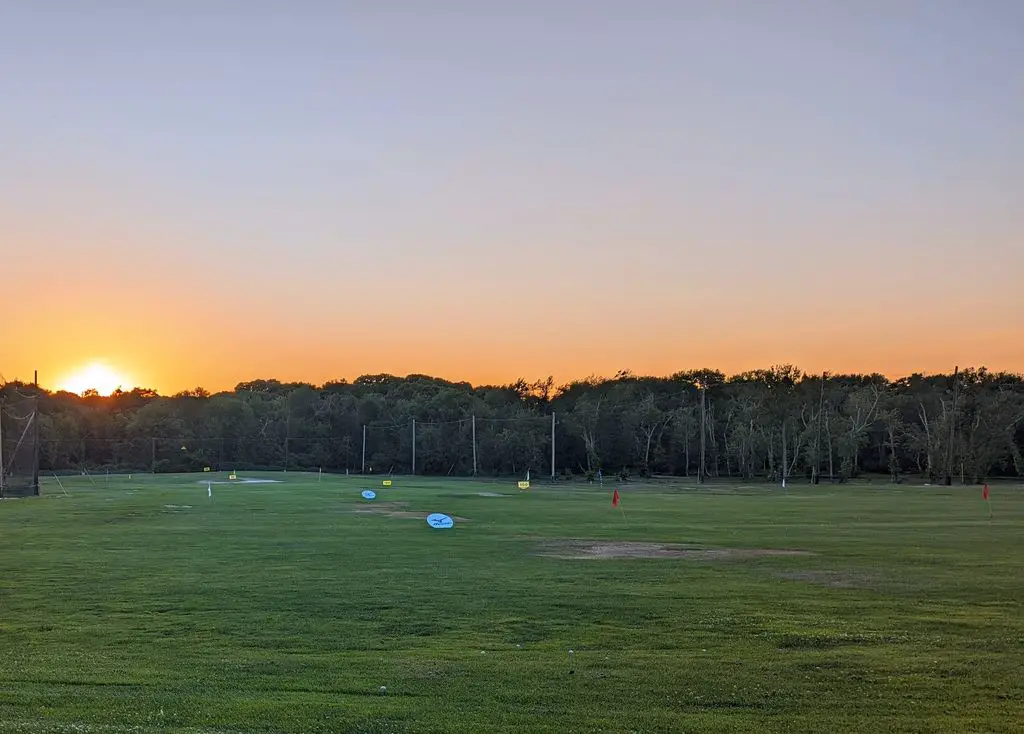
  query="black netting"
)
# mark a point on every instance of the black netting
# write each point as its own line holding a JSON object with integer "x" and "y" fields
{"x": 19, "y": 440}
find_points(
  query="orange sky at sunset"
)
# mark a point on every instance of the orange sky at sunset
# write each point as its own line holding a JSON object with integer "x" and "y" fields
{"x": 218, "y": 359}
{"x": 337, "y": 191}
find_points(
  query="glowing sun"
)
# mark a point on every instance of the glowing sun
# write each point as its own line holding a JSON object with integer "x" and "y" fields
{"x": 98, "y": 377}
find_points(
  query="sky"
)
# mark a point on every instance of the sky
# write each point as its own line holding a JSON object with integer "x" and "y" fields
{"x": 201, "y": 192}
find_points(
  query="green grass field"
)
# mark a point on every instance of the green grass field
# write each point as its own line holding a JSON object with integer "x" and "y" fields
{"x": 142, "y": 605}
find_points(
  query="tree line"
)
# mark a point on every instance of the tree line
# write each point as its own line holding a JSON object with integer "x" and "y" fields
{"x": 763, "y": 424}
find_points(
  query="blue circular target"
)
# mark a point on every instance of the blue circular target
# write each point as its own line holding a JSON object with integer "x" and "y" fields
{"x": 439, "y": 520}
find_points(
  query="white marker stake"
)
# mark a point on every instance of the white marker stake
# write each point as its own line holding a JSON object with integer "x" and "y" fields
{"x": 209, "y": 490}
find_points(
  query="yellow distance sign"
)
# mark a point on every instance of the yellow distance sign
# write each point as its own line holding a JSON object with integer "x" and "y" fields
{"x": 524, "y": 485}
{"x": 206, "y": 468}
{"x": 232, "y": 476}
{"x": 386, "y": 483}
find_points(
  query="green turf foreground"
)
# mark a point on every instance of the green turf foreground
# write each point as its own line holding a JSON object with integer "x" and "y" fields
{"x": 144, "y": 605}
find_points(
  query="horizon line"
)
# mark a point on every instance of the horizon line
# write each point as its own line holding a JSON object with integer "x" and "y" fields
{"x": 624, "y": 374}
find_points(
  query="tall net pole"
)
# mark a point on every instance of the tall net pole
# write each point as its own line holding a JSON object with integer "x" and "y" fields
{"x": 473, "y": 424}
{"x": 703, "y": 433}
{"x": 35, "y": 434}
{"x": 952, "y": 427}
{"x": 552, "y": 445}
{"x": 3, "y": 467}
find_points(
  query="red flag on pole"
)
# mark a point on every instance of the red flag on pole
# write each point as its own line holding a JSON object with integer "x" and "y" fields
{"x": 615, "y": 499}
{"x": 984, "y": 492}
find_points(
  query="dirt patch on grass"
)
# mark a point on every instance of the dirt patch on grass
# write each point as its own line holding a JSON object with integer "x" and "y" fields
{"x": 394, "y": 509}
{"x": 597, "y": 549}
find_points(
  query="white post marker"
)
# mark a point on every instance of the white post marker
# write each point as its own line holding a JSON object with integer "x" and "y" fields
{"x": 209, "y": 490}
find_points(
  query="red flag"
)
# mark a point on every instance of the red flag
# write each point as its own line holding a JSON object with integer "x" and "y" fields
{"x": 984, "y": 492}
{"x": 615, "y": 499}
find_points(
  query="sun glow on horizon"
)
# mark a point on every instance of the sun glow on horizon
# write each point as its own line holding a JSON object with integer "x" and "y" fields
{"x": 96, "y": 376}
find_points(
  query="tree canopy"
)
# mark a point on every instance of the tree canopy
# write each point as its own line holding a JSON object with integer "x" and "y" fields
{"x": 766, "y": 423}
